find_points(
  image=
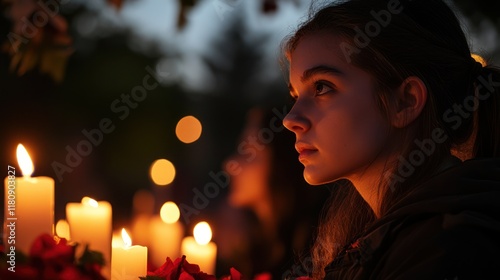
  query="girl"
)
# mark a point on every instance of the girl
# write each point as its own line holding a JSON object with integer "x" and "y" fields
{"x": 388, "y": 97}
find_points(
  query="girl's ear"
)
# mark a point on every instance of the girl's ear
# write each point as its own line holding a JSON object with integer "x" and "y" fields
{"x": 411, "y": 98}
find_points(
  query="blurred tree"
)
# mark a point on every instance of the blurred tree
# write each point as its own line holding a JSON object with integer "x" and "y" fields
{"x": 38, "y": 35}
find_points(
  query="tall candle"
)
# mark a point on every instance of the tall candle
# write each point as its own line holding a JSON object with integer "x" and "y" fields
{"x": 199, "y": 250}
{"x": 127, "y": 261}
{"x": 29, "y": 205}
{"x": 90, "y": 223}
{"x": 166, "y": 234}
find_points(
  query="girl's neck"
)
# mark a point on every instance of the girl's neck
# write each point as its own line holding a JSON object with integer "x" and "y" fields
{"x": 369, "y": 181}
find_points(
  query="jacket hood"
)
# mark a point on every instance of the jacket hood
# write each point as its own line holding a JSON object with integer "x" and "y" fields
{"x": 466, "y": 194}
{"x": 470, "y": 186}
{"x": 457, "y": 204}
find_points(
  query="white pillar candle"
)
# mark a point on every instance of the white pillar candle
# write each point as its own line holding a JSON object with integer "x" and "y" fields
{"x": 29, "y": 205}
{"x": 127, "y": 261}
{"x": 166, "y": 234}
{"x": 199, "y": 250}
{"x": 90, "y": 223}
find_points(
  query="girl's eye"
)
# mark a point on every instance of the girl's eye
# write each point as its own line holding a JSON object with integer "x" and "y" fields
{"x": 322, "y": 88}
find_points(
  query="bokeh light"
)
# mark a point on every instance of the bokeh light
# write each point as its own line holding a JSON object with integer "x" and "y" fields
{"x": 169, "y": 212}
{"x": 162, "y": 172}
{"x": 62, "y": 229}
{"x": 188, "y": 129}
{"x": 202, "y": 233}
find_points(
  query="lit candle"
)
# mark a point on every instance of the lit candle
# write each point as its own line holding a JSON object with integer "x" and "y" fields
{"x": 127, "y": 261}
{"x": 199, "y": 250}
{"x": 117, "y": 239}
{"x": 166, "y": 234}
{"x": 90, "y": 224}
{"x": 29, "y": 205}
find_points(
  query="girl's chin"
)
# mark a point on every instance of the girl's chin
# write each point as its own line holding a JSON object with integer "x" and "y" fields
{"x": 314, "y": 178}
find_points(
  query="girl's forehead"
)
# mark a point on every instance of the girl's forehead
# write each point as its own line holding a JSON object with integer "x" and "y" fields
{"x": 318, "y": 48}
{"x": 321, "y": 53}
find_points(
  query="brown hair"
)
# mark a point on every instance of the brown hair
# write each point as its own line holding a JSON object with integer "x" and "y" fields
{"x": 420, "y": 38}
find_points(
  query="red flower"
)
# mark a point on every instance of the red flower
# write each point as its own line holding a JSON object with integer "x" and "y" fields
{"x": 55, "y": 259}
{"x": 164, "y": 270}
{"x": 180, "y": 269}
{"x": 23, "y": 272}
{"x": 264, "y": 276}
{"x": 52, "y": 253}
{"x": 233, "y": 275}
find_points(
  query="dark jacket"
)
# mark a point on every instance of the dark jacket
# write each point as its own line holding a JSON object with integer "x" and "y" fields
{"x": 447, "y": 228}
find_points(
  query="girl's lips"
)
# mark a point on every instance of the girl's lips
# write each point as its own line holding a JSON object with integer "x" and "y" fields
{"x": 305, "y": 150}
{"x": 305, "y": 153}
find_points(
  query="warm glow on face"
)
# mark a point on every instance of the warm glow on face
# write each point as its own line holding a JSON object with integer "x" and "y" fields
{"x": 479, "y": 59}
{"x": 126, "y": 238}
{"x": 24, "y": 160}
{"x": 62, "y": 229}
{"x": 162, "y": 172}
{"x": 202, "y": 233}
{"x": 89, "y": 201}
{"x": 188, "y": 129}
{"x": 169, "y": 212}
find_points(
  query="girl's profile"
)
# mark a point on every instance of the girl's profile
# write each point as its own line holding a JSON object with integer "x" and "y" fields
{"x": 389, "y": 98}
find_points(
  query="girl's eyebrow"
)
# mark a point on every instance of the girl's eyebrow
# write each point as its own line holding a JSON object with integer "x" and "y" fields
{"x": 320, "y": 69}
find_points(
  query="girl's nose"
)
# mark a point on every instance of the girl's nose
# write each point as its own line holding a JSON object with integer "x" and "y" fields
{"x": 295, "y": 121}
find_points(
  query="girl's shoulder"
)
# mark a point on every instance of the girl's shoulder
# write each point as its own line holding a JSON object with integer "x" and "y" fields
{"x": 443, "y": 246}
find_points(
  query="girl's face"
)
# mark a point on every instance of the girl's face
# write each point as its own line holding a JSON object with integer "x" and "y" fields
{"x": 339, "y": 129}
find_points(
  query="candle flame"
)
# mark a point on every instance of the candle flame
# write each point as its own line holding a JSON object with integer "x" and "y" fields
{"x": 126, "y": 238}
{"x": 24, "y": 160}
{"x": 202, "y": 233}
{"x": 89, "y": 201}
{"x": 169, "y": 212}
